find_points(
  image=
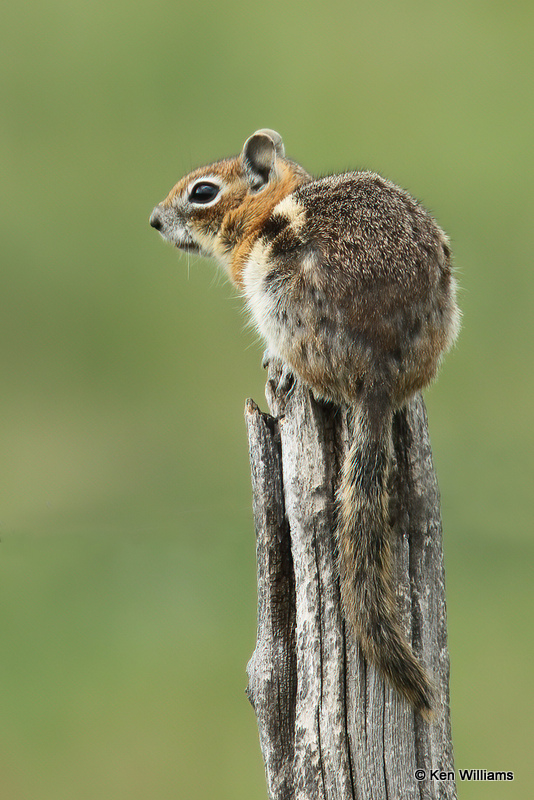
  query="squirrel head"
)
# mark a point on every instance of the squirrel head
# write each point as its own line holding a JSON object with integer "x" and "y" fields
{"x": 218, "y": 210}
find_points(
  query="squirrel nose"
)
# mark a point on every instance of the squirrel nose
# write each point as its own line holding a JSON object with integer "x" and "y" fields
{"x": 155, "y": 219}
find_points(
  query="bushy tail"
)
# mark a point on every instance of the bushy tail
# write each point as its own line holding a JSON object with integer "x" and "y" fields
{"x": 363, "y": 537}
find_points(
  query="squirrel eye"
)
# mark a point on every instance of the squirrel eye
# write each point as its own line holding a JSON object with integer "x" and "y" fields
{"x": 203, "y": 192}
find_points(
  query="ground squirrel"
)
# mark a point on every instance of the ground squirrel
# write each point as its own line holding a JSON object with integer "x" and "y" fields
{"x": 348, "y": 279}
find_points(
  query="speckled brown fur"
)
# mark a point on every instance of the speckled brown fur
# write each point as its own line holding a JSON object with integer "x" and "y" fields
{"x": 348, "y": 279}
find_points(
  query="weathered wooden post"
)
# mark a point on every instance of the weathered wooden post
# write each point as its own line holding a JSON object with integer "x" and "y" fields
{"x": 330, "y": 728}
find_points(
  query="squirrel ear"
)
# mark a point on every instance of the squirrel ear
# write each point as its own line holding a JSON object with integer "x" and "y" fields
{"x": 259, "y": 156}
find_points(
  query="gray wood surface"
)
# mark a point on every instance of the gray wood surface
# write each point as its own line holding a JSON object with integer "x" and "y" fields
{"x": 329, "y": 726}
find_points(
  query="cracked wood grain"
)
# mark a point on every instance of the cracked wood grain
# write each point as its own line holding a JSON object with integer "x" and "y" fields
{"x": 330, "y": 728}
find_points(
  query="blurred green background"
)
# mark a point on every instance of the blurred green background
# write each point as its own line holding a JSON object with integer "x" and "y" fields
{"x": 127, "y": 586}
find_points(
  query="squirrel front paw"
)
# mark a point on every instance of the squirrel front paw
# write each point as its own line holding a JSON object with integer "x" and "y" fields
{"x": 286, "y": 383}
{"x": 281, "y": 380}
